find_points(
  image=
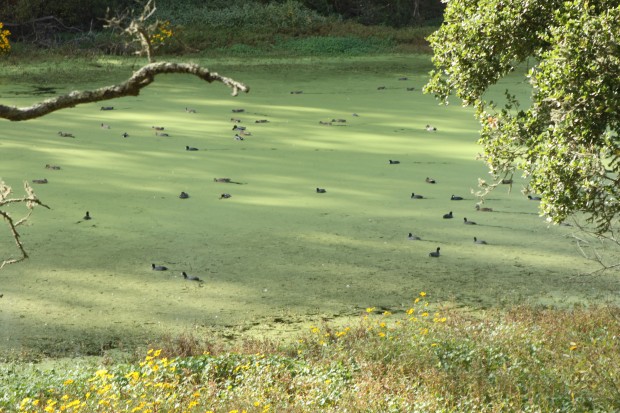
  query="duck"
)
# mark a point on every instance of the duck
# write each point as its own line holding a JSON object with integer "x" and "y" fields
{"x": 430, "y": 128}
{"x": 107, "y": 108}
{"x": 190, "y": 110}
{"x": 53, "y": 167}
{"x": 430, "y": 180}
{"x": 339, "y": 120}
{"x": 191, "y": 277}
{"x": 190, "y": 148}
{"x": 237, "y": 127}
{"x": 456, "y": 198}
{"x": 235, "y": 120}
{"x": 261, "y": 121}
{"x": 403, "y": 78}
{"x": 158, "y": 127}
{"x": 65, "y": 134}
{"x": 412, "y": 237}
{"x": 39, "y": 181}
{"x": 238, "y": 137}
{"x": 325, "y": 123}
{"x": 506, "y": 181}
{"x": 320, "y": 191}
{"x": 225, "y": 196}
{"x": 466, "y": 222}
{"x": 414, "y": 196}
{"x": 534, "y": 198}
{"x": 381, "y": 88}
{"x": 483, "y": 209}
{"x": 161, "y": 134}
{"x": 105, "y": 126}
{"x": 448, "y": 215}
{"x": 87, "y": 216}
{"x": 296, "y": 92}
{"x": 410, "y": 89}
{"x": 479, "y": 241}
{"x": 184, "y": 195}
{"x": 159, "y": 267}
{"x": 125, "y": 135}
{"x": 434, "y": 253}
{"x": 222, "y": 180}
{"x": 355, "y": 115}
{"x": 238, "y": 110}
{"x": 394, "y": 162}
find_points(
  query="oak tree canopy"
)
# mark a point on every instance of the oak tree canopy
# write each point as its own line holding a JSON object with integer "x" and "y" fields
{"x": 566, "y": 140}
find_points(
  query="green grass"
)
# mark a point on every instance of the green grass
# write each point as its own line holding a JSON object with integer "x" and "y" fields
{"x": 277, "y": 255}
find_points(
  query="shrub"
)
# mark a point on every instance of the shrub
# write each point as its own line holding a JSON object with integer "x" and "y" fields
{"x": 5, "y": 46}
{"x": 328, "y": 45}
{"x": 288, "y": 16}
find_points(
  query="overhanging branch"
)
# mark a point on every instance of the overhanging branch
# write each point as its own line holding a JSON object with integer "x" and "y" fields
{"x": 140, "y": 79}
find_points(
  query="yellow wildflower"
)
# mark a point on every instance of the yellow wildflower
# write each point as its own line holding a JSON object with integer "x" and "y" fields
{"x": 5, "y": 46}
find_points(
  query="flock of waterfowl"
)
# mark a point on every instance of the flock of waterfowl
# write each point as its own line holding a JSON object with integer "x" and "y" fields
{"x": 450, "y": 215}
{"x": 160, "y": 131}
{"x": 240, "y": 132}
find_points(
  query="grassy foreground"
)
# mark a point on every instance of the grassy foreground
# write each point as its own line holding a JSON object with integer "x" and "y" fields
{"x": 524, "y": 360}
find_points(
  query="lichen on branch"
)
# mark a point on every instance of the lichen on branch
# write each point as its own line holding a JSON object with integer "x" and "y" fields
{"x": 131, "y": 87}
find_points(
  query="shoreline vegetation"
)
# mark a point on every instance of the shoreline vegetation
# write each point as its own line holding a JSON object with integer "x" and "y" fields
{"x": 422, "y": 360}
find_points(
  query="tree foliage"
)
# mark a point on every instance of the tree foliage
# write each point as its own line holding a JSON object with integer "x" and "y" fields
{"x": 566, "y": 142}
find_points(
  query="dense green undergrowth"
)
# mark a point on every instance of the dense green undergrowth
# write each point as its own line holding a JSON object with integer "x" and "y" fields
{"x": 242, "y": 29}
{"x": 526, "y": 359}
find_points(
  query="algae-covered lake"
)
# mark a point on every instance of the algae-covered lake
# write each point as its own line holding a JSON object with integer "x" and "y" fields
{"x": 276, "y": 254}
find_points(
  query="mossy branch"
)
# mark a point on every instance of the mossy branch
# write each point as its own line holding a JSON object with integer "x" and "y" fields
{"x": 140, "y": 79}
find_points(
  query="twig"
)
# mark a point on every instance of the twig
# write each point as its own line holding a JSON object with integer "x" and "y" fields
{"x": 30, "y": 200}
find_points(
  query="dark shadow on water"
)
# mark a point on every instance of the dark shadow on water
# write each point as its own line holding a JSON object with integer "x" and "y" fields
{"x": 35, "y": 91}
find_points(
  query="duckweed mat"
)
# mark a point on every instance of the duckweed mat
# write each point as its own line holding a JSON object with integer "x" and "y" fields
{"x": 276, "y": 254}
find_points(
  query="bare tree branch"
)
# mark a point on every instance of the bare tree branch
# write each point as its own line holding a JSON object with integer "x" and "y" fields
{"x": 140, "y": 79}
{"x": 590, "y": 243}
{"x": 31, "y": 201}
{"x": 136, "y": 27}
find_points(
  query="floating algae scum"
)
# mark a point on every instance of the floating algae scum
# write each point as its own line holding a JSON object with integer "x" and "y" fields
{"x": 276, "y": 253}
